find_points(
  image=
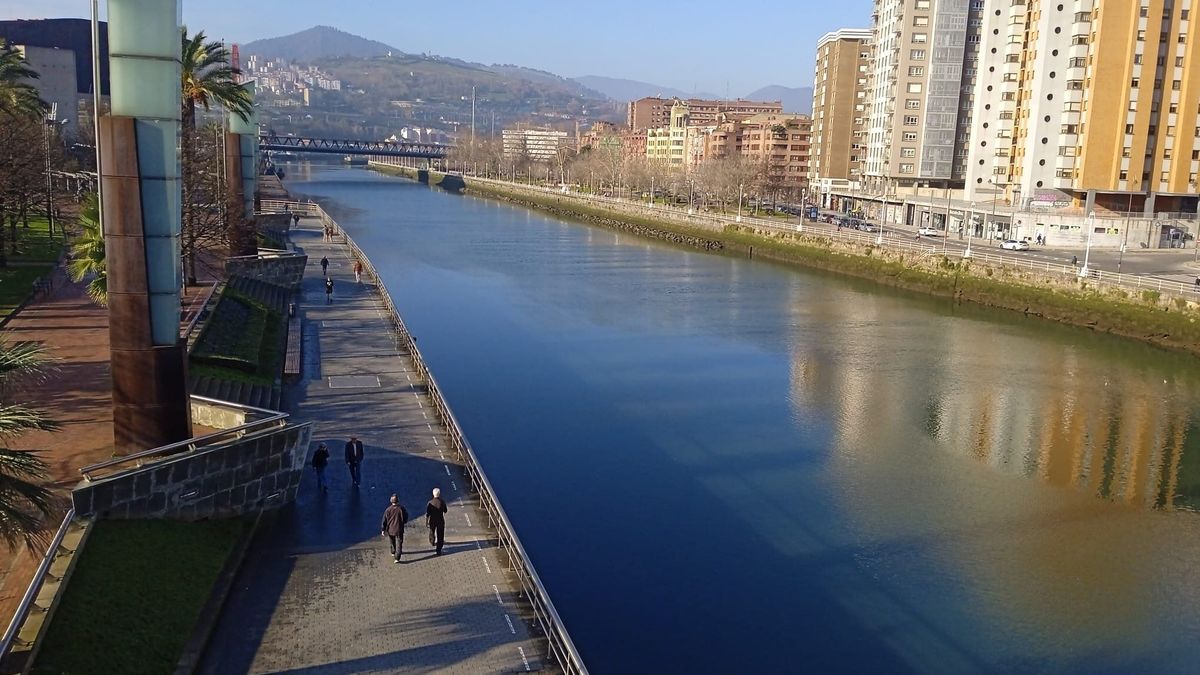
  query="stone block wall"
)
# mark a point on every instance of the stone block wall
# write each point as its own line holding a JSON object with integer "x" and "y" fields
{"x": 260, "y": 470}
{"x": 276, "y": 224}
{"x": 284, "y": 270}
{"x": 217, "y": 416}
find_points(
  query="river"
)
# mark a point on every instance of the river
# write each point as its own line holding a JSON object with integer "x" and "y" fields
{"x": 721, "y": 465}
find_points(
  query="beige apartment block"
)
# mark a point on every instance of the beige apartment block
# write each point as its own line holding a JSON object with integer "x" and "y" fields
{"x": 654, "y": 112}
{"x": 839, "y": 126}
{"x": 780, "y": 143}
{"x": 1088, "y": 105}
{"x": 919, "y": 92}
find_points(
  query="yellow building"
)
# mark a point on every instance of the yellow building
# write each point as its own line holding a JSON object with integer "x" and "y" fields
{"x": 669, "y": 144}
{"x": 1092, "y": 103}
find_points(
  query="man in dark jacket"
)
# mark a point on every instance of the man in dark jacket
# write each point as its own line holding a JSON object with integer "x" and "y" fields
{"x": 392, "y": 526}
{"x": 319, "y": 461}
{"x": 354, "y": 458}
{"x": 435, "y": 520}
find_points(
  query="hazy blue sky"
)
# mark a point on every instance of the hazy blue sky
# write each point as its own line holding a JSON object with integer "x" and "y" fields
{"x": 696, "y": 45}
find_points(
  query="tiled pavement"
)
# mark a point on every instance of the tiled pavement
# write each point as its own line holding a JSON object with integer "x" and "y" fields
{"x": 319, "y": 592}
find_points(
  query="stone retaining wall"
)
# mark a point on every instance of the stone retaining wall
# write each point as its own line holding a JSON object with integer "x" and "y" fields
{"x": 286, "y": 271}
{"x": 260, "y": 470}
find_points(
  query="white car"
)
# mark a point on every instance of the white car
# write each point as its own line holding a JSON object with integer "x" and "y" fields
{"x": 928, "y": 232}
{"x": 1014, "y": 245}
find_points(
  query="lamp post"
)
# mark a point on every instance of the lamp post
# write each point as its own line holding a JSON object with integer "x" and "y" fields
{"x": 47, "y": 123}
{"x": 970, "y": 232}
{"x": 1087, "y": 252}
{"x": 740, "y": 194}
{"x": 946, "y": 222}
{"x": 651, "y": 191}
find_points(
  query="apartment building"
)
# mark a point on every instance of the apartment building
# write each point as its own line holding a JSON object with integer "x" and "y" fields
{"x": 536, "y": 145}
{"x": 839, "y": 127}
{"x": 919, "y": 93}
{"x": 779, "y": 142}
{"x": 1088, "y": 105}
{"x": 668, "y": 143}
{"x": 655, "y": 112}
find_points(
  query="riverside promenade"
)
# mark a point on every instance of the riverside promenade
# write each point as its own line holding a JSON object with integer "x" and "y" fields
{"x": 318, "y": 592}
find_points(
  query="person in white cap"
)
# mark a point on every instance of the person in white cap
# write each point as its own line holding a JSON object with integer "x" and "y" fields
{"x": 435, "y": 519}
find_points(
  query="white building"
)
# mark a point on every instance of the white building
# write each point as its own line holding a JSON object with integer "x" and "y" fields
{"x": 535, "y": 144}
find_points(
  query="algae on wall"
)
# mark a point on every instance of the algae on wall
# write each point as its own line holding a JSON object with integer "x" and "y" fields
{"x": 1145, "y": 316}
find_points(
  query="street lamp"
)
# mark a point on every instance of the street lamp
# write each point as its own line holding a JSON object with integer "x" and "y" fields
{"x": 970, "y": 232}
{"x": 740, "y": 194}
{"x": 49, "y": 122}
{"x": 1091, "y": 225}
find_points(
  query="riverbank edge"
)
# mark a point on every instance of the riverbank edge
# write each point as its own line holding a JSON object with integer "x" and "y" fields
{"x": 1146, "y": 318}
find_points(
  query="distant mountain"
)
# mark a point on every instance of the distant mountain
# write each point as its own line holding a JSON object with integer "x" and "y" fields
{"x": 318, "y": 42}
{"x": 543, "y": 77}
{"x": 795, "y": 99}
{"x": 629, "y": 90}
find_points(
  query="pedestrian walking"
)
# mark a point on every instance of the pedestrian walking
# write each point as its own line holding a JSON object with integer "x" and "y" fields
{"x": 358, "y": 268}
{"x": 319, "y": 461}
{"x": 324, "y": 266}
{"x": 1074, "y": 260}
{"x": 328, "y": 291}
{"x": 435, "y": 520}
{"x": 392, "y": 526}
{"x": 1198, "y": 283}
{"x": 354, "y": 458}
{"x": 296, "y": 219}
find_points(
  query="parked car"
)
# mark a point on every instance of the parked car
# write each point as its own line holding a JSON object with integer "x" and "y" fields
{"x": 1014, "y": 245}
{"x": 928, "y": 232}
{"x": 865, "y": 226}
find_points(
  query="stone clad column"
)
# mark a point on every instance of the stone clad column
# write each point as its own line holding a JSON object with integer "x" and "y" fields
{"x": 241, "y": 176}
{"x": 140, "y": 177}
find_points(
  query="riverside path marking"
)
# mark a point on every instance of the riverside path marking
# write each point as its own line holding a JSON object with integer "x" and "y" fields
{"x": 319, "y": 591}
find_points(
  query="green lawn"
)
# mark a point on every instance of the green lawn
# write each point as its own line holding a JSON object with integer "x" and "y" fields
{"x": 34, "y": 243}
{"x": 241, "y": 342}
{"x": 135, "y": 595}
{"x": 16, "y": 283}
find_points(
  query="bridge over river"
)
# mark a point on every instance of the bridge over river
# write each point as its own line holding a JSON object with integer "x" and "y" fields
{"x": 286, "y": 143}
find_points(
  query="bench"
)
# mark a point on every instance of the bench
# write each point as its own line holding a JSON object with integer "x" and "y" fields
{"x": 291, "y": 358}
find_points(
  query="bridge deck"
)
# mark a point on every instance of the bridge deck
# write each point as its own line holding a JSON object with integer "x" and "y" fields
{"x": 319, "y": 592}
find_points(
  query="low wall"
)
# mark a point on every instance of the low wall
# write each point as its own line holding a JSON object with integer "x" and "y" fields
{"x": 260, "y": 470}
{"x": 283, "y": 270}
{"x": 276, "y": 224}
{"x": 217, "y": 416}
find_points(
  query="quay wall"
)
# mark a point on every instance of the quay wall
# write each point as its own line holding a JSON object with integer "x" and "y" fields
{"x": 1053, "y": 292}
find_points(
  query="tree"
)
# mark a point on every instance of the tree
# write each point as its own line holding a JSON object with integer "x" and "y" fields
{"x": 18, "y": 98}
{"x": 207, "y": 77}
{"x": 87, "y": 252}
{"x": 25, "y": 501}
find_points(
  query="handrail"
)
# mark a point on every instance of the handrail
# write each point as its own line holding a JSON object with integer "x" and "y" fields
{"x": 561, "y": 647}
{"x": 199, "y": 309}
{"x": 35, "y": 586}
{"x": 272, "y": 416}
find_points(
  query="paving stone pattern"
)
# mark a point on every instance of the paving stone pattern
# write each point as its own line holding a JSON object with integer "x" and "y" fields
{"x": 319, "y": 592}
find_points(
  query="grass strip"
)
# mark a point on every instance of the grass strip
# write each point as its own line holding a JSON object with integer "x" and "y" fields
{"x": 16, "y": 284}
{"x": 135, "y": 595}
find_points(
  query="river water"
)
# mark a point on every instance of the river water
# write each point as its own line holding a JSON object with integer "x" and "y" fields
{"x": 728, "y": 466}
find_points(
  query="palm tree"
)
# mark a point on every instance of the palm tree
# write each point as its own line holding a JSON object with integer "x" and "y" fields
{"x": 18, "y": 98}
{"x": 87, "y": 252}
{"x": 208, "y": 77}
{"x": 25, "y": 501}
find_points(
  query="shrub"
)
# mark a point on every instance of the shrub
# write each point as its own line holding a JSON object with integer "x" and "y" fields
{"x": 1151, "y": 297}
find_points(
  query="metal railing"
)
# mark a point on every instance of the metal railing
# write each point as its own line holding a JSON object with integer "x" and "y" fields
{"x": 890, "y": 239}
{"x": 266, "y": 419}
{"x": 35, "y": 587}
{"x": 560, "y": 646}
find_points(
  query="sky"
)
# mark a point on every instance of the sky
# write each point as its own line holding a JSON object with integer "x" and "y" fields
{"x": 697, "y": 45}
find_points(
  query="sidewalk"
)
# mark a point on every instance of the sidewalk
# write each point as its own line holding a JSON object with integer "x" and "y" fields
{"x": 78, "y": 395}
{"x": 319, "y": 592}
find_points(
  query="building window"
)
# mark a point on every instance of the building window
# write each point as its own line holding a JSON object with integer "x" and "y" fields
{"x": 917, "y": 55}
{"x": 910, "y": 136}
{"x": 916, "y": 71}
{"x": 910, "y": 120}
{"x": 914, "y": 87}
{"x": 908, "y": 152}
{"x": 906, "y": 168}
{"x": 912, "y": 104}
{"x": 920, "y": 38}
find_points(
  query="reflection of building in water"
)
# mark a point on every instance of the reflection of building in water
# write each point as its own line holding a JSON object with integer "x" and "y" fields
{"x": 1067, "y": 416}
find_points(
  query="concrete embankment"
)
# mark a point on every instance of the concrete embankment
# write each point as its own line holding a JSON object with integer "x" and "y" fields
{"x": 1143, "y": 315}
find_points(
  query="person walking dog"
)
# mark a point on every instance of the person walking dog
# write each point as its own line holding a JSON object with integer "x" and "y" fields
{"x": 392, "y": 526}
{"x": 319, "y": 461}
{"x": 354, "y": 458}
{"x": 435, "y": 520}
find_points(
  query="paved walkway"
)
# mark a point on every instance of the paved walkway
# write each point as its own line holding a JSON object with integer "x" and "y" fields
{"x": 319, "y": 592}
{"x": 77, "y": 394}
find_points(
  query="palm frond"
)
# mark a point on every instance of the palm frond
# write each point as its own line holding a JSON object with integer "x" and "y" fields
{"x": 18, "y": 98}
{"x": 25, "y": 501}
{"x": 207, "y": 77}
{"x": 22, "y": 359}
{"x": 17, "y": 419}
{"x": 87, "y": 253}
